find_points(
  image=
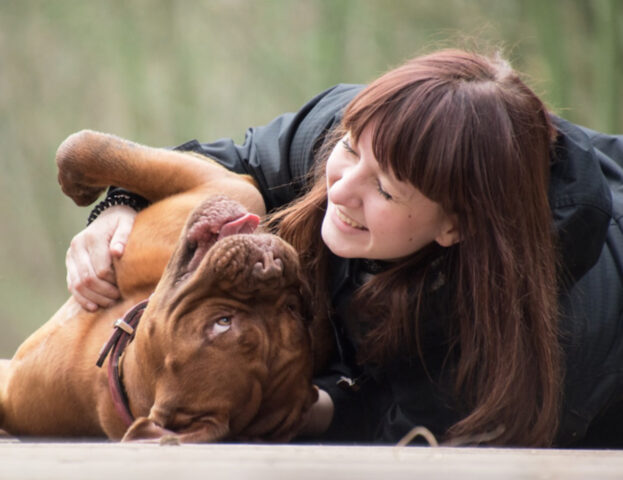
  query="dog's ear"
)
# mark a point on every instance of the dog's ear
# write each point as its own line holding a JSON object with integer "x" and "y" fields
{"x": 145, "y": 430}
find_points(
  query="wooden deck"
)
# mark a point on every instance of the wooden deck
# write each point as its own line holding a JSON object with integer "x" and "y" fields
{"x": 223, "y": 461}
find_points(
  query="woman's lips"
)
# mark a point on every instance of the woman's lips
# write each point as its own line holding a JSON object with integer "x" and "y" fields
{"x": 347, "y": 220}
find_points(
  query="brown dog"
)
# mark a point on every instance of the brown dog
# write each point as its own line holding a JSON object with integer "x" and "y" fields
{"x": 221, "y": 350}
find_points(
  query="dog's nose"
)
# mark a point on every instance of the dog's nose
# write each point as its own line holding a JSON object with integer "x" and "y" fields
{"x": 268, "y": 267}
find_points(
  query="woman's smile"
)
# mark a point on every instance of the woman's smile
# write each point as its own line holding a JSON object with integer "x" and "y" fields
{"x": 347, "y": 220}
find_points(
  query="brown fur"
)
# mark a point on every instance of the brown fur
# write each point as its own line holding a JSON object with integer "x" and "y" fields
{"x": 183, "y": 377}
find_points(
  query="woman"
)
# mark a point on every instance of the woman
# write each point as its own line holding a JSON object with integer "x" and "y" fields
{"x": 456, "y": 221}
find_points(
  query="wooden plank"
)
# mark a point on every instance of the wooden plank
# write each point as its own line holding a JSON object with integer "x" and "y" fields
{"x": 96, "y": 461}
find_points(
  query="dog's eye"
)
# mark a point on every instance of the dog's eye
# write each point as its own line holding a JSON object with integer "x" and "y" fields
{"x": 222, "y": 324}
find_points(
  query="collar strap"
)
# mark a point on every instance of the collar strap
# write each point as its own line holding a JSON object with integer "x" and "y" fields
{"x": 122, "y": 335}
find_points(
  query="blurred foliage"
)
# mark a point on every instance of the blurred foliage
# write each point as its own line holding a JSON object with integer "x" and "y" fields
{"x": 162, "y": 72}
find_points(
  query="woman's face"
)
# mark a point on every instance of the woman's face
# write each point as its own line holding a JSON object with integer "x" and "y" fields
{"x": 370, "y": 214}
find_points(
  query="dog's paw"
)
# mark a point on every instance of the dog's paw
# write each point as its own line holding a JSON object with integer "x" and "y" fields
{"x": 76, "y": 160}
{"x": 82, "y": 195}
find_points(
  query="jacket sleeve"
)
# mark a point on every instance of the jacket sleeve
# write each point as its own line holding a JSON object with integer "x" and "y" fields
{"x": 279, "y": 155}
{"x": 351, "y": 420}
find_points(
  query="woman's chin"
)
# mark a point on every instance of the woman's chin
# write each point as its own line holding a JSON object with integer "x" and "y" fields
{"x": 336, "y": 242}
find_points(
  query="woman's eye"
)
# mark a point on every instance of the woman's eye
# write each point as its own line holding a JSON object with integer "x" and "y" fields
{"x": 386, "y": 195}
{"x": 347, "y": 147}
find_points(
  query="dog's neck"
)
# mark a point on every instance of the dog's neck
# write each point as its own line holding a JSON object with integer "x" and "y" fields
{"x": 127, "y": 386}
{"x": 137, "y": 382}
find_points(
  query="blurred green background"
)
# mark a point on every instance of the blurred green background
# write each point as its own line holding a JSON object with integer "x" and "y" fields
{"x": 162, "y": 72}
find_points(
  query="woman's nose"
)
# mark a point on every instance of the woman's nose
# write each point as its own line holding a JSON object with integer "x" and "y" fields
{"x": 346, "y": 188}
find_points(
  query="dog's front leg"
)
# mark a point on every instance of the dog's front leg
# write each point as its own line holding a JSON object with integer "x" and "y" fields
{"x": 90, "y": 161}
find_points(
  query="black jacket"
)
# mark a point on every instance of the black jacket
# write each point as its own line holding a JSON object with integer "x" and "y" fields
{"x": 586, "y": 196}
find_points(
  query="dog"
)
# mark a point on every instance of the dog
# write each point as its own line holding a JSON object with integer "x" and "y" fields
{"x": 210, "y": 340}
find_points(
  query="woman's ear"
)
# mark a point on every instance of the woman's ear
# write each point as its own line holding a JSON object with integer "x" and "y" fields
{"x": 449, "y": 232}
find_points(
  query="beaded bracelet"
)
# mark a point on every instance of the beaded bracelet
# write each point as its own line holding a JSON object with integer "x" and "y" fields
{"x": 132, "y": 200}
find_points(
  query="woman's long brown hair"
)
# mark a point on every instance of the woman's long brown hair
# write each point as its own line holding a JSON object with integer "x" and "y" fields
{"x": 467, "y": 132}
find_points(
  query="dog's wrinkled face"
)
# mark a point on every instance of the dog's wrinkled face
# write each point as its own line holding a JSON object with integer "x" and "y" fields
{"x": 224, "y": 334}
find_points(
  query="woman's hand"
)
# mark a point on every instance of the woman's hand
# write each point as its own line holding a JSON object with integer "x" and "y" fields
{"x": 91, "y": 277}
{"x": 319, "y": 416}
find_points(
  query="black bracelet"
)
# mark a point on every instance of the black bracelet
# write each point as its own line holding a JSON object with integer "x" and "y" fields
{"x": 132, "y": 200}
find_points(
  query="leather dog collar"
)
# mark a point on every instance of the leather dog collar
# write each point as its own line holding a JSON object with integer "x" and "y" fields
{"x": 123, "y": 334}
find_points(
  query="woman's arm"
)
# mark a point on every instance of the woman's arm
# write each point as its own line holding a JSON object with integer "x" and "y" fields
{"x": 90, "y": 275}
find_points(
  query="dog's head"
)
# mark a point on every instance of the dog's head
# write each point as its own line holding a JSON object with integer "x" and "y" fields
{"x": 224, "y": 338}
